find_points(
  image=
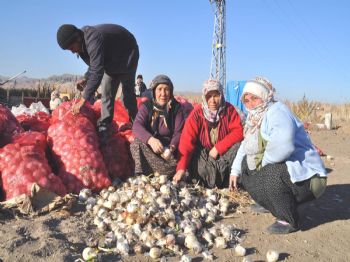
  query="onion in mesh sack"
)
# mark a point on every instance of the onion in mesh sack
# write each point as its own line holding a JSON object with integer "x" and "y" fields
{"x": 8, "y": 126}
{"x": 23, "y": 163}
{"x": 76, "y": 150}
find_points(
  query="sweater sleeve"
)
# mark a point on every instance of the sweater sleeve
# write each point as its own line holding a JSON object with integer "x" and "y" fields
{"x": 139, "y": 127}
{"x": 179, "y": 124}
{"x": 188, "y": 141}
{"x": 95, "y": 49}
{"x": 280, "y": 137}
{"x": 235, "y": 134}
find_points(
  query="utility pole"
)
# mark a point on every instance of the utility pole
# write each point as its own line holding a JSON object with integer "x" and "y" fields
{"x": 218, "y": 59}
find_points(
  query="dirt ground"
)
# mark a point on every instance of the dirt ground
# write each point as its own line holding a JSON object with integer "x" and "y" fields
{"x": 324, "y": 234}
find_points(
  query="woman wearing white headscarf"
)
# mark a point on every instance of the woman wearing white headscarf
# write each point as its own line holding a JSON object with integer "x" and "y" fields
{"x": 210, "y": 139}
{"x": 276, "y": 162}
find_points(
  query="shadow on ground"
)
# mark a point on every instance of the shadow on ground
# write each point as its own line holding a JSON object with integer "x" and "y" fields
{"x": 331, "y": 206}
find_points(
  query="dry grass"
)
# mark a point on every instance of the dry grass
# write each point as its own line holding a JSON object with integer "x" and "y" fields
{"x": 239, "y": 197}
{"x": 314, "y": 112}
{"x": 192, "y": 97}
{"x": 305, "y": 109}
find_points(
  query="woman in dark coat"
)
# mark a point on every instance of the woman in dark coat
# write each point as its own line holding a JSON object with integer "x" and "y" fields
{"x": 157, "y": 129}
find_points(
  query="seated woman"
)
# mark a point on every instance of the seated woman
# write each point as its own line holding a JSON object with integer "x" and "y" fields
{"x": 210, "y": 139}
{"x": 157, "y": 129}
{"x": 277, "y": 163}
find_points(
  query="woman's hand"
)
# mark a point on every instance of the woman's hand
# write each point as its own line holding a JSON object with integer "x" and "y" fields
{"x": 178, "y": 176}
{"x": 156, "y": 145}
{"x": 233, "y": 183}
{"x": 214, "y": 153}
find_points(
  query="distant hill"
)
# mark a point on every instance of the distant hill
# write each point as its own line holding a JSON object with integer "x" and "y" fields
{"x": 65, "y": 82}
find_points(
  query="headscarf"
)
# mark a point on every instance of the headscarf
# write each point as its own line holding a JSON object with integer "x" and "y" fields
{"x": 212, "y": 85}
{"x": 55, "y": 95}
{"x": 262, "y": 88}
{"x": 158, "y": 110}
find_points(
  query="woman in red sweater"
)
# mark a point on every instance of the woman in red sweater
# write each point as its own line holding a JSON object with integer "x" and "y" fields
{"x": 210, "y": 139}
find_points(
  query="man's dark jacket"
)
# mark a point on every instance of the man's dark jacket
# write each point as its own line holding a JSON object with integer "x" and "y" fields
{"x": 109, "y": 49}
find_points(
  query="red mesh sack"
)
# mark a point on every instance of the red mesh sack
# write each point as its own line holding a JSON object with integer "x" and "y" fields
{"x": 117, "y": 157}
{"x": 40, "y": 121}
{"x": 76, "y": 151}
{"x": 8, "y": 126}
{"x": 23, "y": 163}
{"x": 64, "y": 110}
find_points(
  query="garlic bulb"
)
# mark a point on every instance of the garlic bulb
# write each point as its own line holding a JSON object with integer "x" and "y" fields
{"x": 240, "y": 251}
{"x": 155, "y": 252}
{"x": 196, "y": 213}
{"x": 89, "y": 253}
{"x": 166, "y": 155}
{"x": 84, "y": 194}
{"x": 123, "y": 246}
{"x": 165, "y": 189}
{"x": 208, "y": 237}
{"x": 186, "y": 258}
{"x": 102, "y": 213}
{"x": 162, "y": 179}
{"x": 272, "y": 256}
{"x": 220, "y": 242}
{"x": 109, "y": 204}
{"x": 131, "y": 208}
{"x": 208, "y": 255}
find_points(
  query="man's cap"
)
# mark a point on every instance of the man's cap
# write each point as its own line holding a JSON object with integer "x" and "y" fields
{"x": 66, "y": 35}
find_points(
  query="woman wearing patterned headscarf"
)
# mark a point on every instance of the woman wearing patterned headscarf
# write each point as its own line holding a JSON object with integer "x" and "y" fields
{"x": 157, "y": 129}
{"x": 210, "y": 139}
{"x": 276, "y": 162}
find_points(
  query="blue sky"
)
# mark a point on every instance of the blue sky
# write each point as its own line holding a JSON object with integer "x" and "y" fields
{"x": 302, "y": 46}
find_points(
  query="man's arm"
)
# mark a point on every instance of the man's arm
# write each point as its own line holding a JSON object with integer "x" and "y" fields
{"x": 95, "y": 48}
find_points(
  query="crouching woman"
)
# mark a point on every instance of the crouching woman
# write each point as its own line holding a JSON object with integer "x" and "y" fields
{"x": 210, "y": 139}
{"x": 157, "y": 129}
{"x": 277, "y": 163}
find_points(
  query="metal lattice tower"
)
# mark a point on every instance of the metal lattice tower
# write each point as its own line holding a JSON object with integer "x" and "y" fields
{"x": 218, "y": 59}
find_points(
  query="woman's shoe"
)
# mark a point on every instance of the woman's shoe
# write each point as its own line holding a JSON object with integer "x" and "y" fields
{"x": 258, "y": 209}
{"x": 281, "y": 227}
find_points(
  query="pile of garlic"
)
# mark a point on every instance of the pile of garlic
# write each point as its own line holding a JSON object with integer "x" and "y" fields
{"x": 156, "y": 216}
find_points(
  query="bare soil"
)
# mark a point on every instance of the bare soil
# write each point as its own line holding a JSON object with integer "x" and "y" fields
{"x": 324, "y": 234}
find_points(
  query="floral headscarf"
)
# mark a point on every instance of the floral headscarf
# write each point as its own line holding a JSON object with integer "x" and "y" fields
{"x": 212, "y": 85}
{"x": 262, "y": 88}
